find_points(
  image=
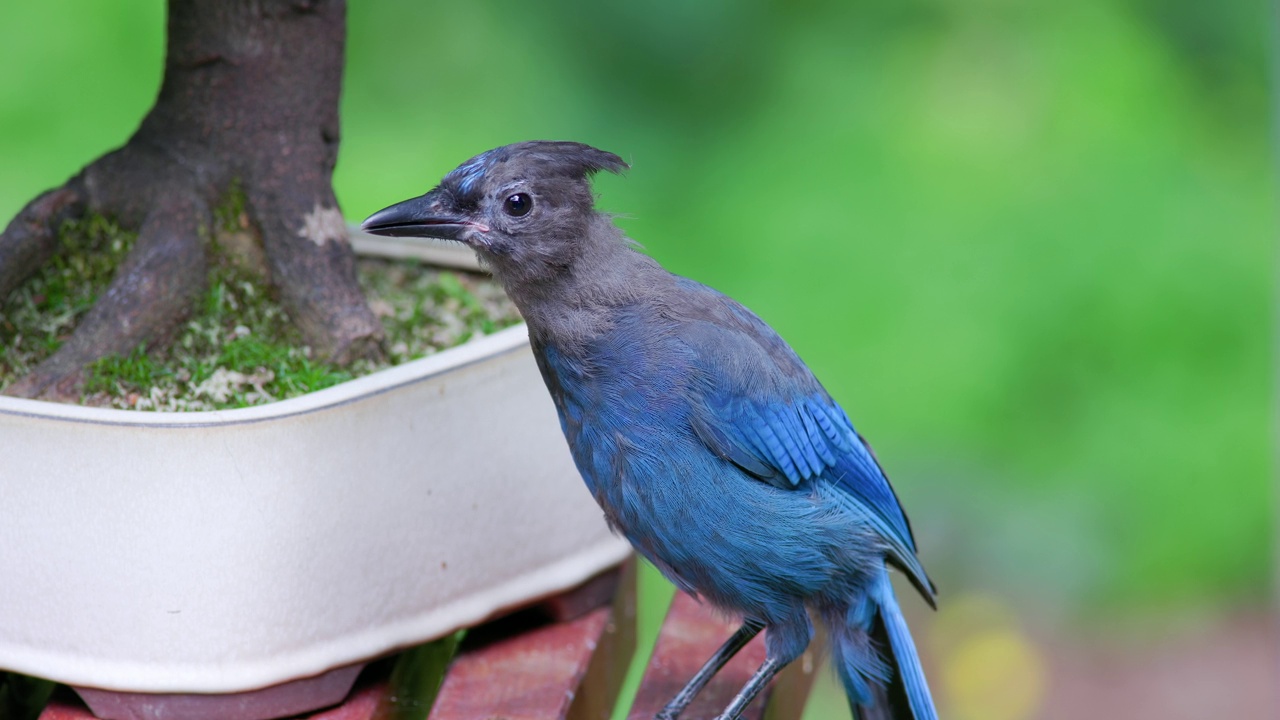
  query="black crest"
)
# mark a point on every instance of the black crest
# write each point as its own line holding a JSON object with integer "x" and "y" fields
{"x": 538, "y": 157}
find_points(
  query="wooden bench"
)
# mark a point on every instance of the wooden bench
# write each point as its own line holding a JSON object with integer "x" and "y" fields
{"x": 567, "y": 659}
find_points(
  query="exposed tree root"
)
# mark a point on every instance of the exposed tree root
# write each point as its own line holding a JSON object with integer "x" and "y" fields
{"x": 310, "y": 262}
{"x": 32, "y": 237}
{"x": 249, "y": 100}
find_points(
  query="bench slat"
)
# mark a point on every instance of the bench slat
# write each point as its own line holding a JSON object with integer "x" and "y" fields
{"x": 570, "y": 670}
{"x": 690, "y": 634}
{"x": 532, "y": 676}
{"x": 65, "y": 708}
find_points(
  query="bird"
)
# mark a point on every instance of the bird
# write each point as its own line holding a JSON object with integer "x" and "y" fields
{"x": 705, "y": 439}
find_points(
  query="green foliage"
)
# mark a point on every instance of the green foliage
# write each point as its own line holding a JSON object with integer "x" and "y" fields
{"x": 416, "y": 678}
{"x": 22, "y": 697}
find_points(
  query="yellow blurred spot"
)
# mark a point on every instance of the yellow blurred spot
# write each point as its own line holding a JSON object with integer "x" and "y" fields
{"x": 990, "y": 669}
{"x": 995, "y": 676}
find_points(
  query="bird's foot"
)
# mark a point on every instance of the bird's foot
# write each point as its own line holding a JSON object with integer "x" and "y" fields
{"x": 667, "y": 714}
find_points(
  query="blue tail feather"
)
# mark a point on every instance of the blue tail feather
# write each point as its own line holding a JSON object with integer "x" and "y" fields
{"x": 877, "y": 661}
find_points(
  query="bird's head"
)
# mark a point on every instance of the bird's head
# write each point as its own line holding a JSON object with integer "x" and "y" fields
{"x": 524, "y": 206}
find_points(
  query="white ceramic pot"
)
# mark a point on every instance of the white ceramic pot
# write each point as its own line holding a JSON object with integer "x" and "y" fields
{"x": 226, "y": 551}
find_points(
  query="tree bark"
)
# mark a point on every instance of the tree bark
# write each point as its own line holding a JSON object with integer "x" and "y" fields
{"x": 249, "y": 101}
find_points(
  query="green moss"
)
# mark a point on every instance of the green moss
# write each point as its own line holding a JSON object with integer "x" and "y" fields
{"x": 136, "y": 370}
{"x": 232, "y": 214}
{"x": 39, "y": 316}
{"x": 239, "y": 348}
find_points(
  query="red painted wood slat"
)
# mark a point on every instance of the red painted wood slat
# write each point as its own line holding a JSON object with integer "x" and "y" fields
{"x": 532, "y": 676}
{"x": 563, "y": 671}
{"x": 65, "y": 708}
{"x": 690, "y": 634}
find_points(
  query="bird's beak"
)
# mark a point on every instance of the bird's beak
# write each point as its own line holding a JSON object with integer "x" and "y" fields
{"x": 427, "y": 216}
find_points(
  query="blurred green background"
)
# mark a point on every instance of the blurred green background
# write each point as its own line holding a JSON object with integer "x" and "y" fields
{"x": 1029, "y": 245}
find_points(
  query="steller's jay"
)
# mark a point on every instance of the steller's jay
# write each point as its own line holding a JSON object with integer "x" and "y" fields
{"x": 705, "y": 439}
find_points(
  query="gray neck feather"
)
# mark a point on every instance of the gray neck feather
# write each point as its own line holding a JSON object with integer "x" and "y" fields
{"x": 575, "y": 305}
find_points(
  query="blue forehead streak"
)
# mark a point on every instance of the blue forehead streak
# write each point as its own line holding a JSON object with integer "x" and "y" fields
{"x": 473, "y": 171}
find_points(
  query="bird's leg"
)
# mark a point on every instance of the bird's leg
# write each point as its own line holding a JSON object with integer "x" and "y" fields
{"x": 753, "y": 687}
{"x": 736, "y": 642}
{"x": 789, "y": 635}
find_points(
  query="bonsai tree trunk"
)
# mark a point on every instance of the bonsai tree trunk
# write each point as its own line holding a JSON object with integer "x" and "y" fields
{"x": 249, "y": 104}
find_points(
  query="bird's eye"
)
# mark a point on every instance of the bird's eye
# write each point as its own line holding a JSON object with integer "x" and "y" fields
{"x": 518, "y": 205}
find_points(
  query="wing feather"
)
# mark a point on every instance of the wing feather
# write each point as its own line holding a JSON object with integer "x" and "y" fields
{"x": 760, "y": 408}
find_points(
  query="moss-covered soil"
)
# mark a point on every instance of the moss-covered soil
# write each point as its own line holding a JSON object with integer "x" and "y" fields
{"x": 239, "y": 348}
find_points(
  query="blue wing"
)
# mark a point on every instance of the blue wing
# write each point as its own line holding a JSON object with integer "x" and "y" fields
{"x": 759, "y": 407}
